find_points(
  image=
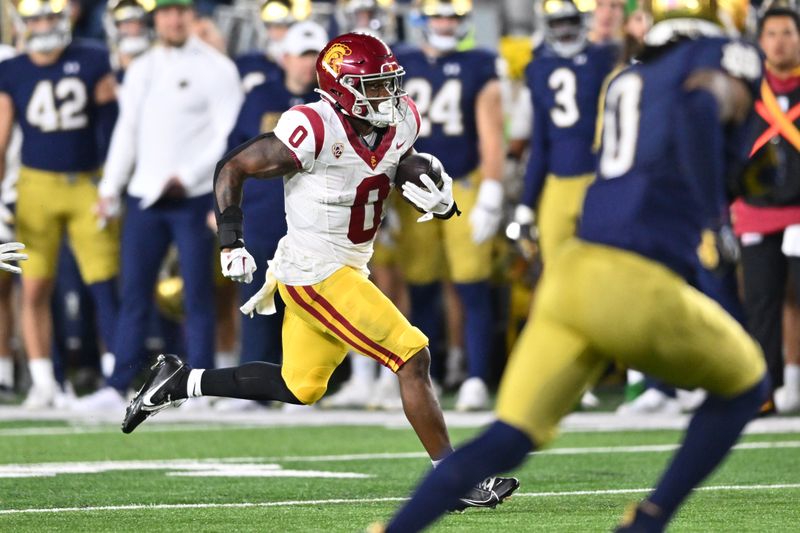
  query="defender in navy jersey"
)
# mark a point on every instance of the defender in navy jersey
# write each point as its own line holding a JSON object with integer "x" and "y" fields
{"x": 565, "y": 78}
{"x": 619, "y": 292}
{"x": 62, "y": 93}
{"x": 457, "y": 93}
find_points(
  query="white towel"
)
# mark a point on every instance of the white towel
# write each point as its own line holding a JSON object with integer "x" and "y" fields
{"x": 262, "y": 302}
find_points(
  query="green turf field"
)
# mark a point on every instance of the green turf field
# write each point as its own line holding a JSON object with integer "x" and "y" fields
{"x": 192, "y": 478}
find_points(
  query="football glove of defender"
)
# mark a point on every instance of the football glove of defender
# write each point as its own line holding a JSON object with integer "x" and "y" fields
{"x": 432, "y": 200}
{"x": 8, "y": 253}
{"x": 238, "y": 265}
{"x": 485, "y": 216}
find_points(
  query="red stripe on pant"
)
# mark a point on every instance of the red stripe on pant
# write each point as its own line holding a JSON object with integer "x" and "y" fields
{"x": 319, "y": 316}
{"x": 351, "y": 328}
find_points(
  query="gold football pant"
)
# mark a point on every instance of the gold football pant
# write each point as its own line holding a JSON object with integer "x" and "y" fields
{"x": 560, "y": 207}
{"x": 599, "y": 304}
{"x": 344, "y": 312}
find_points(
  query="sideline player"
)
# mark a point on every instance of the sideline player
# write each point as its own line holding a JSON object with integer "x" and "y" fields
{"x": 620, "y": 289}
{"x": 339, "y": 157}
{"x": 62, "y": 93}
{"x": 460, "y": 105}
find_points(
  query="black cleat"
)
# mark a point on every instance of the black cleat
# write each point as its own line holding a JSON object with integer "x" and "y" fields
{"x": 156, "y": 393}
{"x": 490, "y": 492}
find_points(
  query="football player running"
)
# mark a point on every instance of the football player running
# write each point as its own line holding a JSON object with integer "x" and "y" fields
{"x": 338, "y": 157}
{"x": 459, "y": 99}
{"x": 62, "y": 93}
{"x": 672, "y": 133}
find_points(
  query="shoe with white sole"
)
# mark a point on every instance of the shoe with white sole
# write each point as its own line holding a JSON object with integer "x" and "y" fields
{"x": 107, "y": 399}
{"x": 157, "y": 392}
{"x": 386, "y": 395}
{"x": 353, "y": 393}
{"x": 42, "y": 396}
{"x": 787, "y": 400}
{"x": 651, "y": 402}
{"x": 473, "y": 395}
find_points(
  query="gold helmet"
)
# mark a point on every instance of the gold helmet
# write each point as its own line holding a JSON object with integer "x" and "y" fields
{"x": 694, "y": 18}
{"x": 58, "y": 35}
{"x": 565, "y": 25}
{"x": 367, "y": 16}
{"x": 284, "y": 12}
{"x": 460, "y": 9}
{"x": 130, "y": 41}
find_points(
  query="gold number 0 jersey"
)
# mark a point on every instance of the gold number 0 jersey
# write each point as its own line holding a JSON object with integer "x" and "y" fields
{"x": 334, "y": 202}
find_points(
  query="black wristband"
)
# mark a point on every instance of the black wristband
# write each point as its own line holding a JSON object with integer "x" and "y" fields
{"x": 229, "y": 227}
{"x": 453, "y": 211}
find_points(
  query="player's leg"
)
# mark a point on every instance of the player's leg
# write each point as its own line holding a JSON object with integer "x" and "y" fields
{"x": 470, "y": 265}
{"x": 549, "y": 368}
{"x": 97, "y": 251}
{"x": 39, "y": 227}
{"x": 680, "y": 336}
{"x": 559, "y": 209}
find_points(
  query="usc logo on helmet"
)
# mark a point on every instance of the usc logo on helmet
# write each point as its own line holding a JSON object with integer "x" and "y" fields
{"x": 335, "y": 55}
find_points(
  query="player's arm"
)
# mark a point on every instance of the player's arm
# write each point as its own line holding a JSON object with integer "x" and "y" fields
{"x": 105, "y": 98}
{"x": 731, "y": 94}
{"x": 262, "y": 157}
{"x": 485, "y": 216}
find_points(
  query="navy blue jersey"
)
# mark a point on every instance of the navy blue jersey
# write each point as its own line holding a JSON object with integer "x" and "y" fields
{"x": 55, "y": 107}
{"x": 255, "y": 69}
{"x": 665, "y": 155}
{"x": 445, "y": 90}
{"x": 564, "y": 92}
{"x": 263, "y": 199}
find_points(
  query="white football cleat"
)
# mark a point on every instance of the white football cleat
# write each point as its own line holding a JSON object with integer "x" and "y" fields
{"x": 787, "y": 400}
{"x": 353, "y": 393}
{"x": 473, "y": 396}
{"x": 107, "y": 399}
{"x": 41, "y": 396}
{"x": 386, "y": 394}
{"x": 589, "y": 400}
{"x": 651, "y": 402}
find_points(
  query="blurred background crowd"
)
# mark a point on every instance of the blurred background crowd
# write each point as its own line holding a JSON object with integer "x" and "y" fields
{"x": 114, "y": 114}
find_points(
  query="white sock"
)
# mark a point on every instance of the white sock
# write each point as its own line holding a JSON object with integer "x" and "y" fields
{"x": 791, "y": 375}
{"x": 362, "y": 368}
{"x": 107, "y": 361}
{"x": 7, "y": 371}
{"x": 226, "y": 359}
{"x": 41, "y": 372}
{"x": 193, "y": 383}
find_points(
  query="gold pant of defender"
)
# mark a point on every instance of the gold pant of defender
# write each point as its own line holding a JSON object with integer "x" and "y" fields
{"x": 597, "y": 304}
{"x": 344, "y": 312}
{"x": 50, "y": 203}
{"x": 559, "y": 209}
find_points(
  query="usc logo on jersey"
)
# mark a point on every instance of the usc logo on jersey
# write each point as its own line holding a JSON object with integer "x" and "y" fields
{"x": 335, "y": 55}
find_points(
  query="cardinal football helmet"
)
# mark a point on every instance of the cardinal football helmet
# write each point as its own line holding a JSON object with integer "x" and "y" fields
{"x": 348, "y": 64}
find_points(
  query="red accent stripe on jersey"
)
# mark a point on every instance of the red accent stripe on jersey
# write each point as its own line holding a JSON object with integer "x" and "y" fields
{"x": 316, "y": 126}
{"x": 297, "y": 162}
{"x": 327, "y": 323}
{"x": 350, "y": 327}
{"x": 413, "y": 107}
{"x": 370, "y": 157}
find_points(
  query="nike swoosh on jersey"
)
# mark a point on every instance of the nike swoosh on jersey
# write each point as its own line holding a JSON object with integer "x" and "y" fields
{"x": 399, "y": 145}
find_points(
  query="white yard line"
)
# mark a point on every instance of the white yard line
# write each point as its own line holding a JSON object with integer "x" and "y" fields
{"x": 357, "y": 501}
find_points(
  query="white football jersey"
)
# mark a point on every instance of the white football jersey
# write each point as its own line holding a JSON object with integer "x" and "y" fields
{"x": 334, "y": 202}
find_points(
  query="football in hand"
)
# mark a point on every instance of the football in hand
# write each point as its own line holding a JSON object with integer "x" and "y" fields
{"x": 412, "y": 167}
